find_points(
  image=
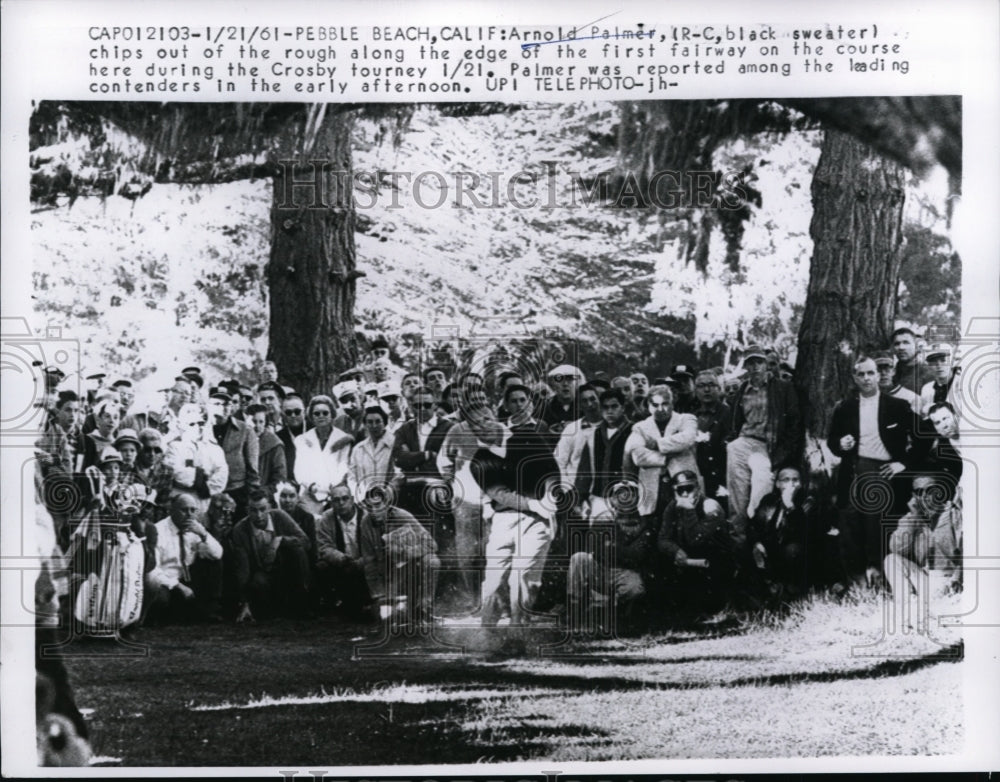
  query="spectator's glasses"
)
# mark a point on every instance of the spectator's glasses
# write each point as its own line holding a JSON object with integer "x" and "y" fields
{"x": 423, "y": 405}
{"x": 683, "y": 491}
{"x": 155, "y": 450}
{"x": 321, "y": 414}
{"x": 562, "y": 378}
{"x": 705, "y": 385}
{"x": 294, "y": 411}
{"x": 390, "y": 399}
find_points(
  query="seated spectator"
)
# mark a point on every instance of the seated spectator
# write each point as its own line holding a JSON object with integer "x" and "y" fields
{"x": 286, "y": 498}
{"x": 340, "y": 570}
{"x": 186, "y": 581}
{"x": 613, "y": 566}
{"x": 272, "y": 465}
{"x": 779, "y": 535}
{"x": 271, "y": 562}
{"x": 697, "y": 554}
{"x": 913, "y": 551}
{"x": 400, "y": 562}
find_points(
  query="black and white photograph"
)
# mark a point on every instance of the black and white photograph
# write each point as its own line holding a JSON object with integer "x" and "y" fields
{"x": 466, "y": 433}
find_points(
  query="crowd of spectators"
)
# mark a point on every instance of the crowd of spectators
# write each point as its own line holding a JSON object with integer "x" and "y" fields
{"x": 408, "y": 497}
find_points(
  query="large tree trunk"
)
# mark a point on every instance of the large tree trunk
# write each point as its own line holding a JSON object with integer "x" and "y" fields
{"x": 857, "y": 237}
{"x": 311, "y": 274}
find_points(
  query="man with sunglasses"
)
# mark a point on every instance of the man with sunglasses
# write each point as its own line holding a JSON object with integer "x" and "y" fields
{"x": 560, "y": 409}
{"x": 293, "y": 419}
{"x": 698, "y": 557}
{"x": 199, "y": 465}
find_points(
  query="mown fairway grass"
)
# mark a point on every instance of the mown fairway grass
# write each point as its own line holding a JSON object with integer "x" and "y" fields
{"x": 821, "y": 681}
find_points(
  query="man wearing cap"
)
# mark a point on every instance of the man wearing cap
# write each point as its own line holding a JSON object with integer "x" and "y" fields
{"x": 348, "y": 398}
{"x": 560, "y": 409}
{"x": 941, "y": 387}
{"x": 911, "y": 372}
{"x": 887, "y": 383}
{"x": 658, "y": 447}
{"x": 714, "y": 419}
{"x": 197, "y": 382}
{"x": 873, "y": 434}
{"x": 199, "y": 464}
{"x": 186, "y": 582}
{"x": 128, "y": 445}
{"x": 391, "y": 398}
{"x": 697, "y": 553}
{"x": 240, "y": 445}
{"x": 178, "y": 395}
{"x": 766, "y": 435}
{"x": 685, "y": 400}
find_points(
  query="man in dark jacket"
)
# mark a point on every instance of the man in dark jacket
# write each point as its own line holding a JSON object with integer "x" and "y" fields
{"x": 602, "y": 461}
{"x": 766, "y": 435}
{"x": 697, "y": 556}
{"x": 714, "y": 419}
{"x": 415, "y": 451}
{"x": 272, "y": 467}
{"x": 873, "y": 434}
{"x": 239, "y": 444}
{"x": 271, "y": 561}
{"x": 610, "y": 571}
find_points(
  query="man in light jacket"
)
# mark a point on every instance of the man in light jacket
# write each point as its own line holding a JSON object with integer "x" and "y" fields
{"x": 659, "y": 447}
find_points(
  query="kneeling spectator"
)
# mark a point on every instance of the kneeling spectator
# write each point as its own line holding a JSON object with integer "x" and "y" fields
{"x": 400, "y": 562}
{"x": 271, "y": 561}
{"x": 779, "y": 535}
{"x": 612, "y": 572}
{"x": 186, "y": 582}
{"x": 340, "y": 572}
{"x": 698, "y": 558}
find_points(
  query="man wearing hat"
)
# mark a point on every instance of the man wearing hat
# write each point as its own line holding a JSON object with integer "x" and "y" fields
{"x": 887, "y": 383}
{"x": 941, "y": 387}
{"x": 391, "y": 398}
{"x": 560, "y": 409}
{"x": 240, "y": 445}
{"x": 766, "y": 434}
{"x": 697, "y": 553}
{"x": 348, "y": 398}
{"x": 128, "y": 445}
{"x": 682, "y": 378}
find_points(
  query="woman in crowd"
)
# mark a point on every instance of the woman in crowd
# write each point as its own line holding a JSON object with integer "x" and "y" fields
{"x": 321, "y": 455}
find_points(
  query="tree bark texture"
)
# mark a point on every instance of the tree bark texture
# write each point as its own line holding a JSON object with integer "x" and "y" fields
{"x": 857, "y": 233}
{"x": 312, "y": 273}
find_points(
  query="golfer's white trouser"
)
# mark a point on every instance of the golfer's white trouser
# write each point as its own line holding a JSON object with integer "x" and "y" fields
{"x": 517, "y": 546}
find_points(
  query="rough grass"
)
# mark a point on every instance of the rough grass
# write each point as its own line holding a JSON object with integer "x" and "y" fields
{"x": 821, "y": 680}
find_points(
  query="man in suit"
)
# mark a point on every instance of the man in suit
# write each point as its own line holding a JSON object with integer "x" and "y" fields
{"x": 240, "y": 445}
{"x": 415, "y": 450}
{"x": 659, "y": 447}
{"x": 873, "y": 434}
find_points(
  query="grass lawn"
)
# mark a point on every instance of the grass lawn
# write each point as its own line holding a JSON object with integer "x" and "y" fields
{"x": 822, "y": 681}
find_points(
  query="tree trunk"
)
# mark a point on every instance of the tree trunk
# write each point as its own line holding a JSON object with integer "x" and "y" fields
{"x": 311, "y": 274}
{"x": 857, "y": 237}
